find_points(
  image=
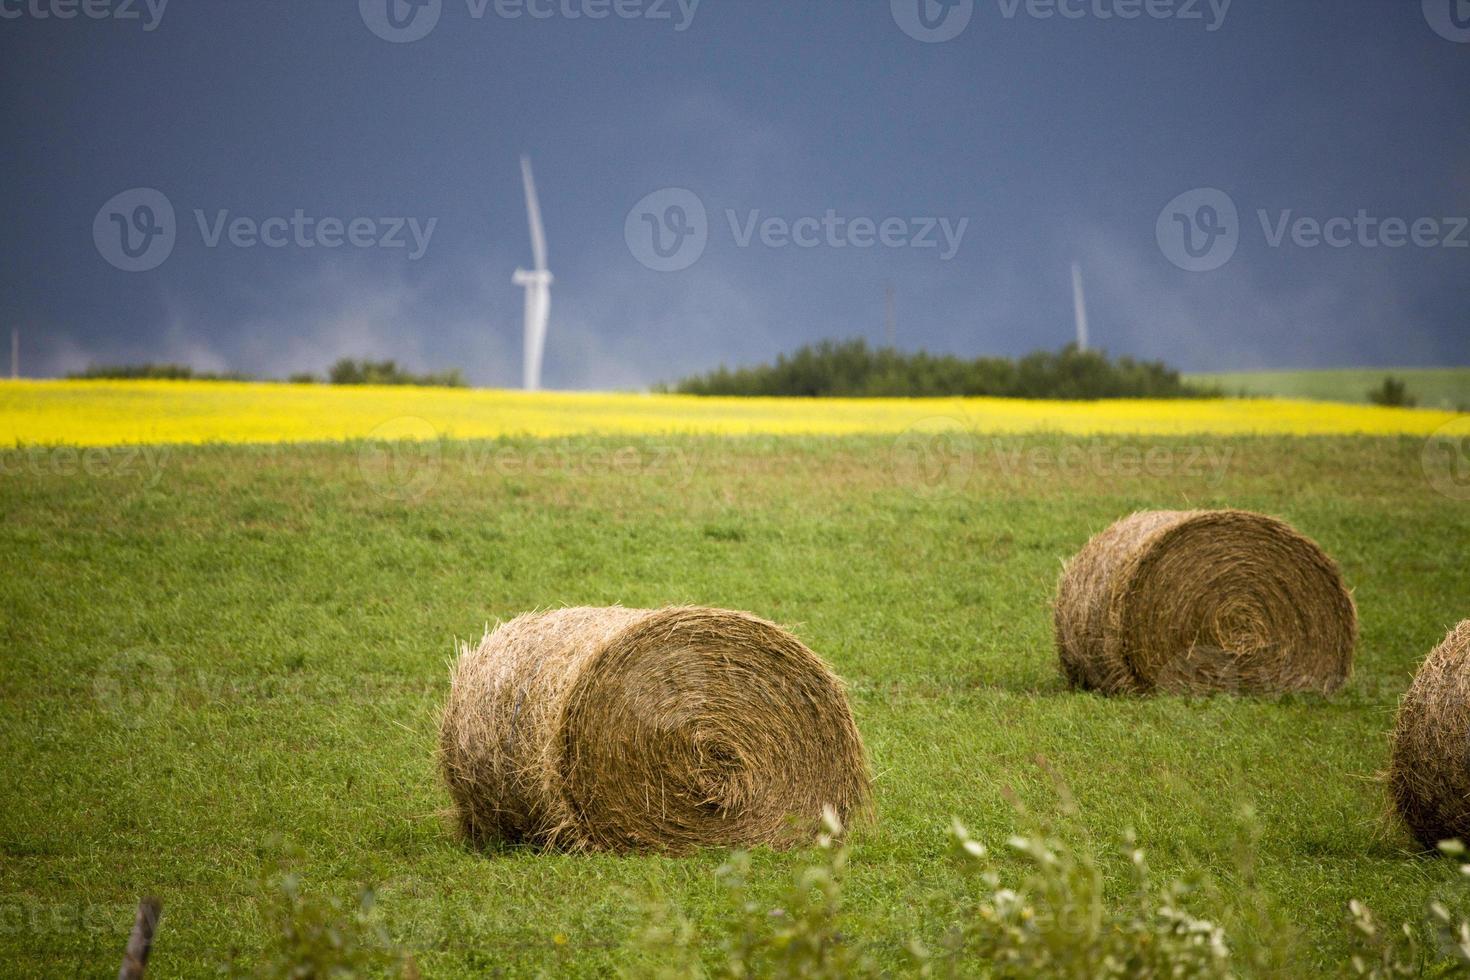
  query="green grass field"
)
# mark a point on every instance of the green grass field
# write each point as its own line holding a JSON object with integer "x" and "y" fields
{"x": 219, "y": 658}
{"x": 1447, "y": 388}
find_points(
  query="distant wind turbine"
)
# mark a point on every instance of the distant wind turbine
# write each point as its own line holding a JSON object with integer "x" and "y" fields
{"x": 890, "y": 316}
{"x": 538, "y": 286}
{"x": 1079, "y": 306}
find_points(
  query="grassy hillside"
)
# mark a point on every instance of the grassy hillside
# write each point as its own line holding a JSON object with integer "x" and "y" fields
{"x": 1444, "y": 388}
{"x": 223, "y": 659}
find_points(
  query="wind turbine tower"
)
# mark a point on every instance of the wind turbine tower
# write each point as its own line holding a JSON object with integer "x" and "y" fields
{"x": 890, "y": 316}
{"x": 1079, "y": 306}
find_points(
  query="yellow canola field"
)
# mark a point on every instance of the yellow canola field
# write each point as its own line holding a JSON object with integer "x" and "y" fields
{"x": 101, "y": 413}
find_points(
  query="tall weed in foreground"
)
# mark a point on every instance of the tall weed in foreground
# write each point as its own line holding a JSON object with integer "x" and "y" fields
{"x": 1054, "y": 922}
{"x": 1058, "y": 922}
{"x": 313, "y": 937}
{"x": 799, "y": 937}
{"x": 1055, "y": 919}
{"x": 1438, "y": 948}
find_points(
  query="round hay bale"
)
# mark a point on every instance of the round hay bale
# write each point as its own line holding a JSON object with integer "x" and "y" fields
{"x": 1429, "y": 767}
{"x": 634, "y": 729}
{"x": 1204, "y": 602}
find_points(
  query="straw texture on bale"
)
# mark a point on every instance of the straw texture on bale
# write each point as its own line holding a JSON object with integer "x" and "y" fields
{"x": 1429, "y": 769}
{"x": 632, "y": 729}
{"x": 1204, "y": 602}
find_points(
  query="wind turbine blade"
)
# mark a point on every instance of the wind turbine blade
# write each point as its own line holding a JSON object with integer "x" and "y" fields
{"x": 533, "y": 211}
{"x": 1079, "y": 306}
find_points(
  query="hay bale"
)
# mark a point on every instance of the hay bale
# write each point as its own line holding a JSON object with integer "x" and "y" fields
{"x": 1204, "y": 602}
{"x": 1429, "y": 768}
{"x": 633, "y": 729}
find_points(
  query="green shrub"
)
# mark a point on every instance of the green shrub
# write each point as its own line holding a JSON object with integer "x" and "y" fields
{"x": 151, "y": 372}
{"x": 352, "y": 372}
{"x": 316, "y": 937}
{"x": 1056, "y": 921}
{"x": 799, "y": 937}
{"x": 1394, "y": 392}
{"x": 1059, "y": 923}
{"x": 1438, "y": 948}
{"x": 346, "y": 371}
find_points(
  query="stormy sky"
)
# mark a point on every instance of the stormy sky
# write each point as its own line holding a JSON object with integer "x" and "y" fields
{"x": 267, "y": 185}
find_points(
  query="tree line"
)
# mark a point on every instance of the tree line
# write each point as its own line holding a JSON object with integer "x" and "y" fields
{"x": 852, "y": 369}
{"x": 347, "y": 371}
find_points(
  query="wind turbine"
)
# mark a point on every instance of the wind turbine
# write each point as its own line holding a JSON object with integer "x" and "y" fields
{"x": 1079, "y": 306}
{"x": 890, "y": 316}
{"x": 538, "y": 286}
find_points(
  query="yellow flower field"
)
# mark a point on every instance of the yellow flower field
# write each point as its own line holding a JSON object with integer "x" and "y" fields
{"x": 99, "y": 413}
